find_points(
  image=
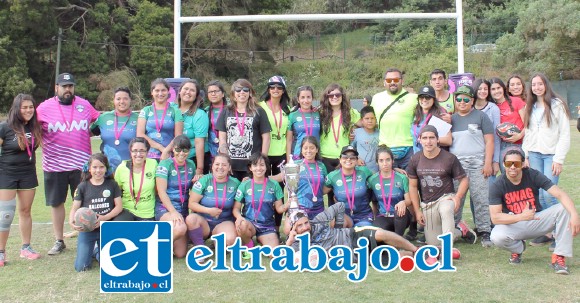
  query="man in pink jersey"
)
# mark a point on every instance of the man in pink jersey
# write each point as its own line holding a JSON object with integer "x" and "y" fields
{"x": 66, "y": 147}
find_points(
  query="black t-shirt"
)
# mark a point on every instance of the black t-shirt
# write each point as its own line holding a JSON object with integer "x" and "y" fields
{"x": 513, "y": 198}
{"x": 99, "y": 198}
{"x": 13, "y": 159}
{"x": 435, "y": 176}
{"x": 242, "y": 142}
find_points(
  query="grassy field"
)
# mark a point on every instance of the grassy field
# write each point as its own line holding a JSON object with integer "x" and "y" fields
{"x": 483, "y": 275}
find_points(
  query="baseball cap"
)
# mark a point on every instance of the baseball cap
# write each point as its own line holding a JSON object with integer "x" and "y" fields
{"x": 65, "y": 79}
{"x": 513, "y": 149}
{"x": 465, "y": 90}
{"x": 427, "y": 90}
{"x": 277, "y": 80}
{"x": 297, "y": 215}
{"x": 349, "y": 148}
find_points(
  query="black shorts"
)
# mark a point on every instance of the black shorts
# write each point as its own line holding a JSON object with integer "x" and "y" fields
{"x": 27, "y": 180}
{"x": 365, "y": 232}
{"x": 57, "y": 183}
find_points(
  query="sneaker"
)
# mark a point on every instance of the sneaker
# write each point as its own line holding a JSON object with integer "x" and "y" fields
{"x": 2, "y": 258}
{"x": 559, "y": 265}
{"x": 58, "y": 247}
{"x": 467, "y": 233}
{"x": 552, "y": 246}
{"x": 542, "y": 240}
{"x": 517, "y": 258}
{"x": 246, "y": 256}
{"x": 29, "y": 253}
{"x": 421, "y": 239}
{"x": 485, "y": 240}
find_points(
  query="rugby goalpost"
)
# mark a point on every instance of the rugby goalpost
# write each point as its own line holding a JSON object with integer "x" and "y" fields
{"x": 178, "y": 20}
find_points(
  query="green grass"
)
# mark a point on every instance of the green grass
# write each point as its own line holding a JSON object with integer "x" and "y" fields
{"x": 483, "y": 275}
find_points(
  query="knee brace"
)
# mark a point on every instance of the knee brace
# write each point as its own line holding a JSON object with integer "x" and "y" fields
{"x": 7, "y": 210}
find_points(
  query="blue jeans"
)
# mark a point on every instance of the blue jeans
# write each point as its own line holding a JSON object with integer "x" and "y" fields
{"x": 85, "y": 249}
{"x": 543, "y": 163}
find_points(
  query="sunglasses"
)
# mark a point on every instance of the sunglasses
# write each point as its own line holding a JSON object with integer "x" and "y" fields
{"x": 178, "y": 150}
{"x": 330, "y": 96}
{"x": 242, "y": 89}
{"x": 508, "y": 164}
{"x": 466, "y": 100}
{"x": 349, "y": 157}
{"x": 393, "y": 80}
{"x": 425, "y": 97}
{"x": 276, "y": 87}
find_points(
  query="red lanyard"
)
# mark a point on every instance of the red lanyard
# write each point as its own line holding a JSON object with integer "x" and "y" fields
{"x": 181, "y": 195}
{"x": 157, "y": 125}
{"x": 140, "y": 185}
{"x": 278, "y": 125}
{"x": 316, "y": 185}
{"x": 72, "y": 110}
{"x": 311, "y": 123}
{"x": 387, "y": 206}
{"x": 418, "y": 126}
{"x": 257, "y": 212}
{"x": 348, "y": 196}
{"x": 335, "y": 133}
{"x": 214, "y": 121}
{"x": 118, "y": 134}
{"x": 225, "y": 189}
{"x": 241, "y": 126}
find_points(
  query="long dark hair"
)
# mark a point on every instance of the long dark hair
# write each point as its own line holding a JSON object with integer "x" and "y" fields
{"x": 549, "y": 95}
{"x": 505, "y": 91}
{"x": 296, "y": 100}
{"x": 254, "y": 159}
{"x": 435, "y": 110}
{"x": 524, "y": 95}
{"x": 326, "y": 110}
{"x": 133, "y": 142}
{"x": 222, "y": 89}
{"x": 196, "y": 101}
{"x": 476, "y": 84}
{"x": 16, "y": 122}
{"x": 311, "y": 140}
{"x": 284, "y": 100}
{"x": 385, "y": 149}
{"x": 86, "y": 174}
{"x": 251, "y": 108}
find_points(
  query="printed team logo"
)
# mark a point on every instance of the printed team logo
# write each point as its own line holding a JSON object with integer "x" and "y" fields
{"x": 358, "y": 178}
{"x": 80, "y": 108}
{"x": 134, "y": 123}
{"x": 150, "y": 114}
{"x": 210, "y": 189}
{"x": 270, "y": 190}
{"x": 136, "y": 257}
{"x": 299, "y": 119}
{"x": 377, "y": 186}
{"x": 161, "y": 170}
{"x": 198, "y": 186}
{"x": 338, "y": 182}
{"x": 231, "y": 189}
{"x": 106, "y": 193}
{"x": 174, "y": 173}
{"x": 110, "y": 122}
{"x": 249, "y": 192}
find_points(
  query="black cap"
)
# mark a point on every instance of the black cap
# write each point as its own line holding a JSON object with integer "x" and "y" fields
{"x": 512, "y": 150}
{"x": 427, "y": 90}
{"x": 349, "y": 148}
{"x": 65, "y": 79}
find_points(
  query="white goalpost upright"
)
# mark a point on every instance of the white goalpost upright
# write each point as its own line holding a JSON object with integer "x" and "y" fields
{"x": 178, "y": 20}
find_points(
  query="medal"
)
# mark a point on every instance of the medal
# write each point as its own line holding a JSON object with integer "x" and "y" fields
{"x": 216, "y": 140}
{"x": 159, "y": 135}
{"x": 117, "y": 142}
{"x": 336, "y": 132}
{"x": 119, "y": 132}
{"x": 314, "y": 199}
{"x": 336, "y": 145}
{"x": 277, "y": 137}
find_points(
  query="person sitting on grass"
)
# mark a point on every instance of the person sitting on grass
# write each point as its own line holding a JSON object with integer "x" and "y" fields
{"x": 518, "y": 215}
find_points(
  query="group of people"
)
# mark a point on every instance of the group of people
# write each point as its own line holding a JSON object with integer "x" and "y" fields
{"x": 405, "y": 159}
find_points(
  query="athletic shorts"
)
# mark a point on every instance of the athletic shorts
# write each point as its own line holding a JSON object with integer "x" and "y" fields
{"x": 368, "y": 232}
{"x": 26, "y": 180}
{"x": 213, "y": 223}
{"x": 57, "y": 183}
{"x": 263, "y": 229}
{"x": 160, "y": 210}
{"x": 126, "y": 215}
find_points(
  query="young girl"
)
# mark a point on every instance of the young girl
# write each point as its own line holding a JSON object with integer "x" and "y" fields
{"x": 257, "y": 200}
{"x": 303, "y": 122}
{"x": 211, "y": 201}
{"x": 426, "y": 109}
{"x": 195, "y": 123}
{"x": 349, "y": 184}
{"x": 173, "y": 181}
{"x": 517, "y": 87}
{"x": 101, "y": 194}
{"x": 511, "y": 109}
{"x": 216, "y": 94}
{"x": 243, "y": 128}
{"x": 160, "y": 122}
{"x": 391, "y": 190}
{"x": 547, "y": 140}
{"x": 19, "y": 139}
{"x": 136, "y": 177}
{"x": 485, "y": 103}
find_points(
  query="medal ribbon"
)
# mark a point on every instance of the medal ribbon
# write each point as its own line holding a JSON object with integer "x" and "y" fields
{"x": 138, "y": 197}
{"x": 257, "y": 212}
{"x": 278, "y": 126}
{"x": 241, "y": 126}
{"x": 348, "y": 196}
{"x": 316, "y": 185}
{"x": 387, "y": 206}
{"x": 181, "y": 195}
{"x": 158, "y": 126}
{"x": 335, "y": 133}
{"x": 118, "y": 134}
{"x": 304, "y": 122}
{"x": 223, "y": 194}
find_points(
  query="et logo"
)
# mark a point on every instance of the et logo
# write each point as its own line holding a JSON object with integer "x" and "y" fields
{"x": 136, "y": 257}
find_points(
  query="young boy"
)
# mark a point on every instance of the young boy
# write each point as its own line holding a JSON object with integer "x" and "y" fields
{"x": 366, "y": 139}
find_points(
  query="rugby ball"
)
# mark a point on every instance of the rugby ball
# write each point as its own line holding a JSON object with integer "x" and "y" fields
{"x": 86, "y": 218}
{"x": 506, "y": 130}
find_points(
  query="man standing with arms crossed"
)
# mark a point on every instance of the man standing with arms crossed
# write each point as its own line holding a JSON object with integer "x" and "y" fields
{"x": 66, "y": 147}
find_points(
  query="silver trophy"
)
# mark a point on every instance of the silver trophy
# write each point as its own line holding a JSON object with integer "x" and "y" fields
{"x": 291, "y": 178}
